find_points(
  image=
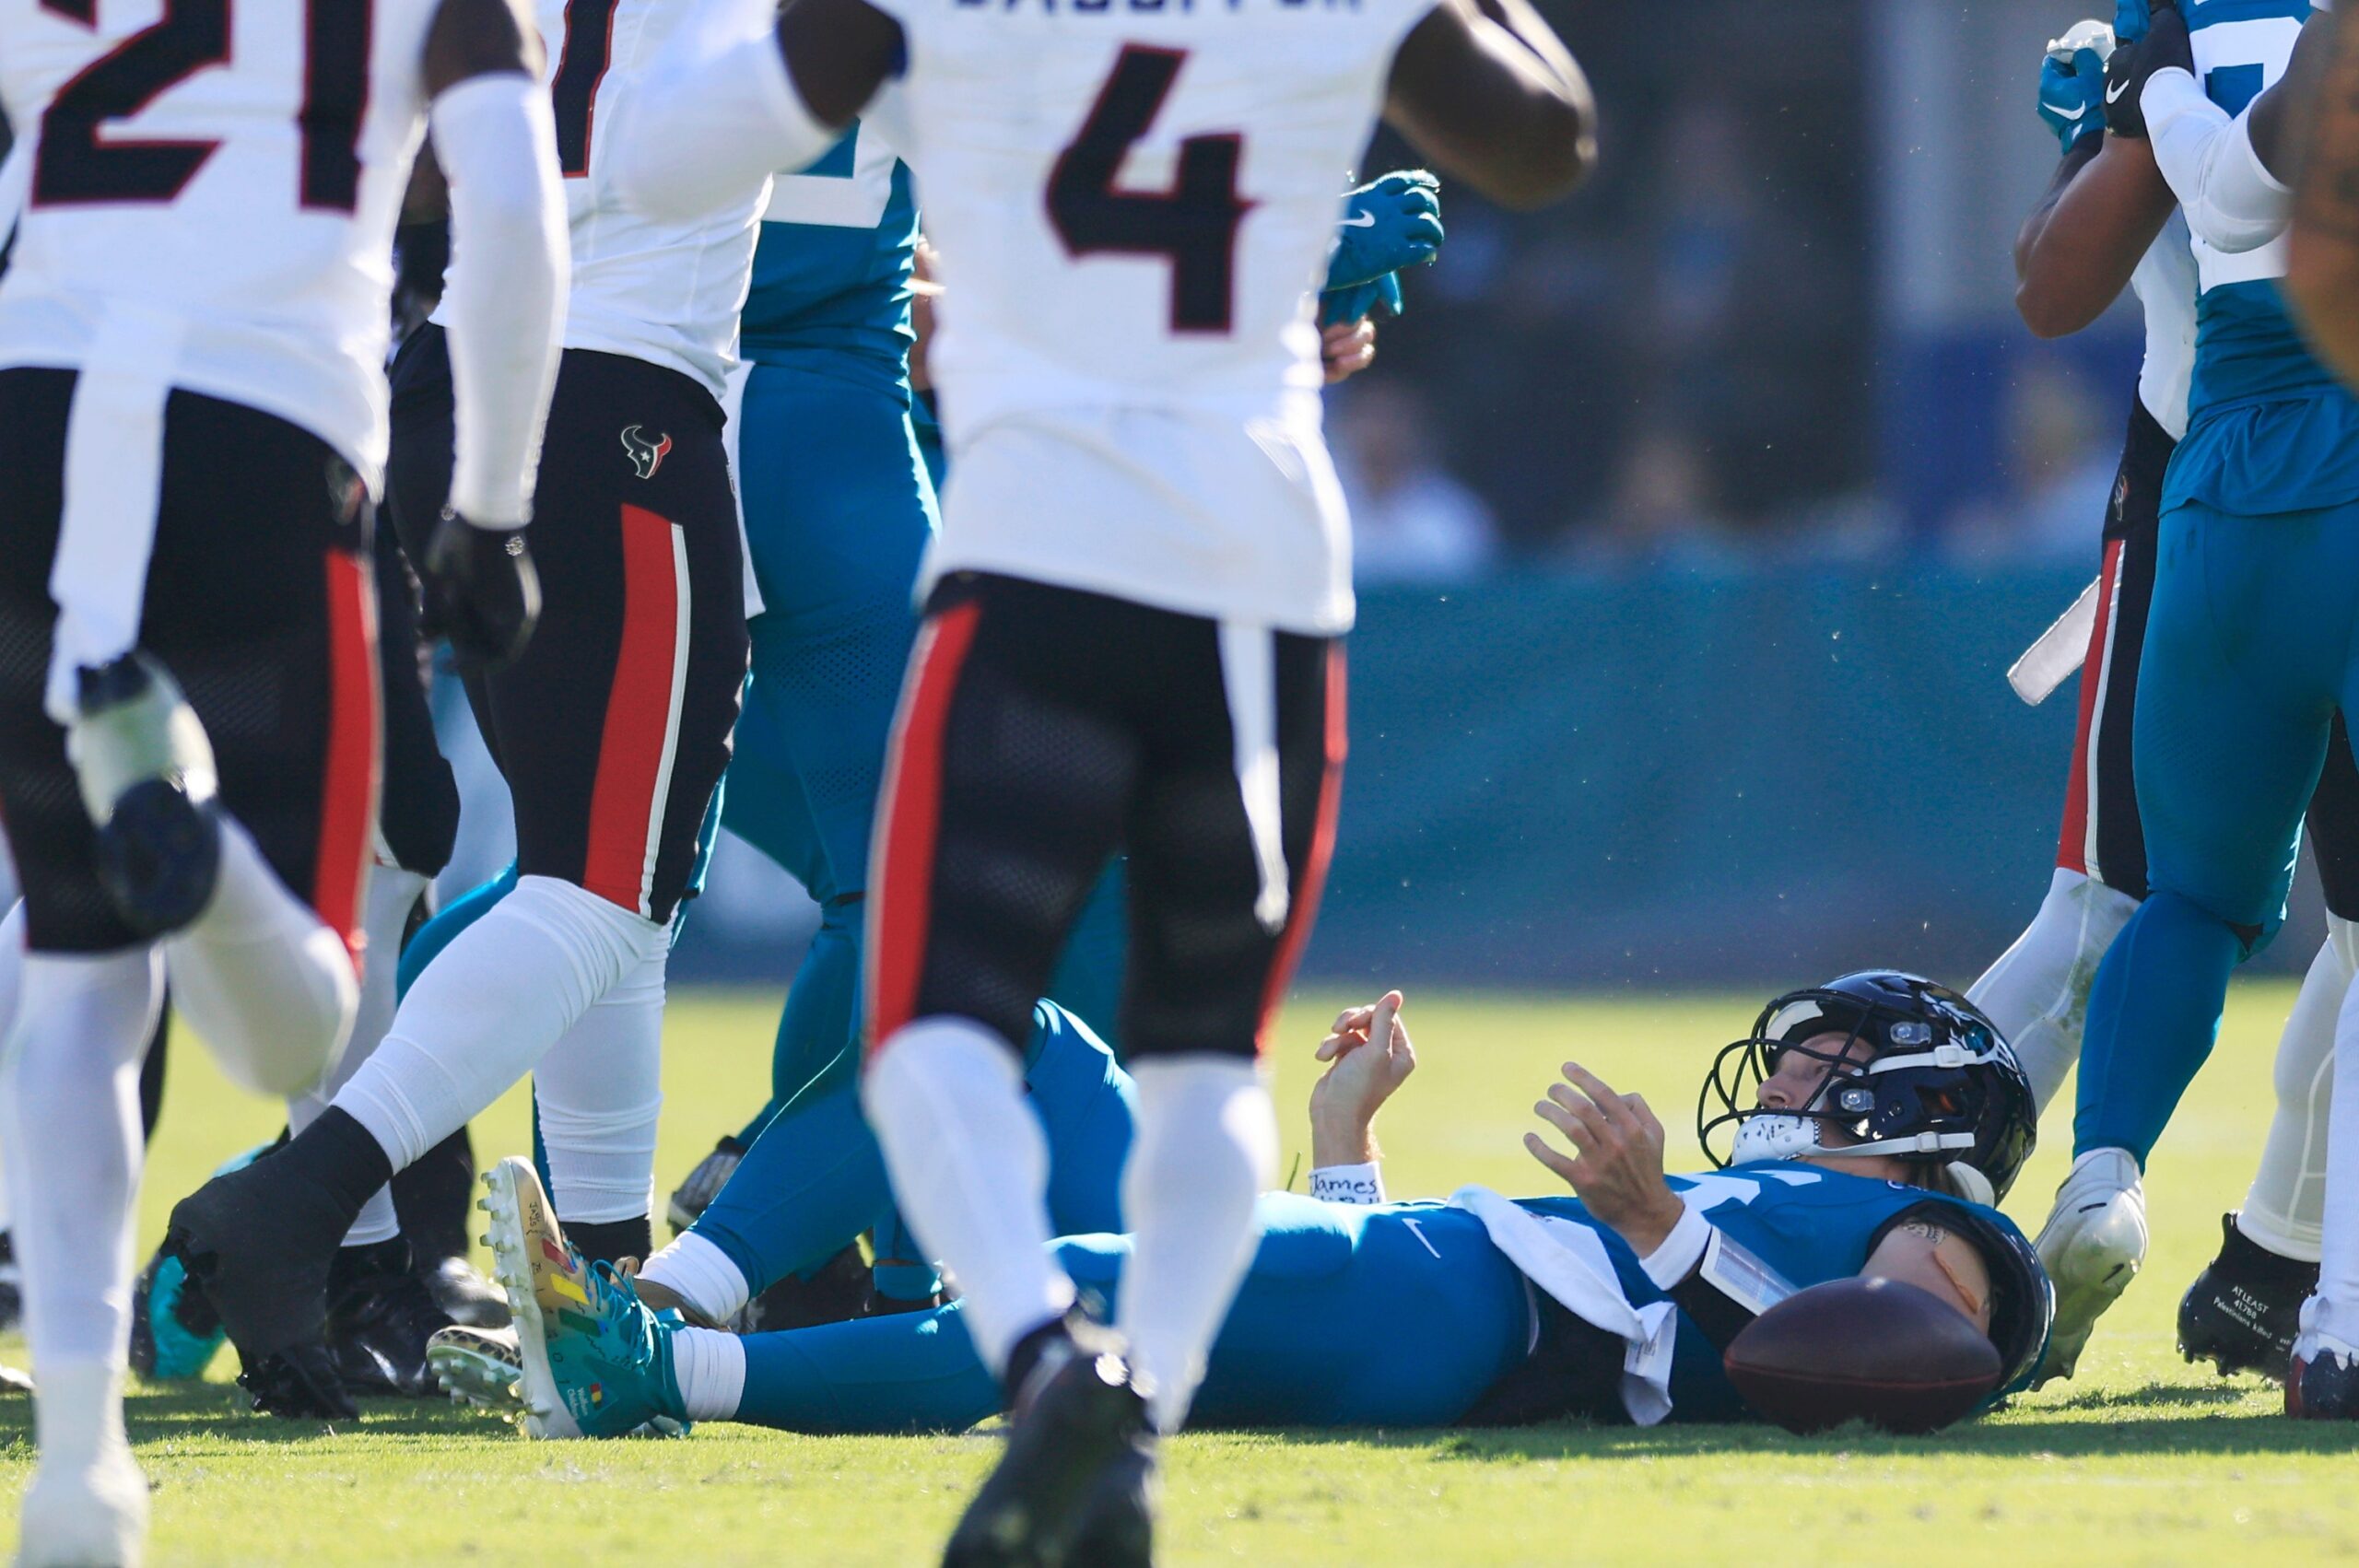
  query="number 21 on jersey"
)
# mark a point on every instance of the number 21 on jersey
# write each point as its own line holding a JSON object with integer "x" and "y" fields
{"x": 78, "y": 167}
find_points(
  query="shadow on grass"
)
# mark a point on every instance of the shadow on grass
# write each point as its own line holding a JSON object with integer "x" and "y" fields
{"x": 2155, "y": 1419}
{"x": 179, "y": 1411}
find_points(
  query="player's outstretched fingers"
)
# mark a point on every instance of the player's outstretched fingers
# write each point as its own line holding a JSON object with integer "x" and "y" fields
{"x": 1564, "y": 1166}
{"x": 1582, "y": 1126}
{"x": 1600, "y": 1094}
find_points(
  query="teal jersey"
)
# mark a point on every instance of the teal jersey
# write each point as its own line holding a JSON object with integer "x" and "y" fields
{"x": 833, "y": 268}
{"x": 2270, "y": 428}
{"x": 1812, "y": 1225}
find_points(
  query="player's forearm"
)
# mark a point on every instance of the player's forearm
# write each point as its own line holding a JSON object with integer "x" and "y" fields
{"x": 2232, "y": 203}
{"x": 504, "y": 299}
{"x": 1342, "y": 1140}
{"x": 717, "y": 114}
{"x": 2087, "y": 241}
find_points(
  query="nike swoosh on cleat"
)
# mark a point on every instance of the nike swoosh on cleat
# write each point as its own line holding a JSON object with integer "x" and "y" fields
{"x": 1365, "y": 220}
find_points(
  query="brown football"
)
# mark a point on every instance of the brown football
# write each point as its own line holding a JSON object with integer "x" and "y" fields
{"x": 1876, "y": 1351}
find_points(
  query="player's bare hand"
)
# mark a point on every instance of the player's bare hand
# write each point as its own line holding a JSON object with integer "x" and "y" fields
{"x": 1616, "y": 1166}
{"x": 1369, "y": 1057}
{"x": 1347, "y": 348}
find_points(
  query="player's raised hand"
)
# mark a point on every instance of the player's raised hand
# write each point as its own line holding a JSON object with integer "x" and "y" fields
{"x": 1369, "y": 1057}
{"x": 2072, "y": 83}
{"x": 1616, "y": 1166}
{"x": 2164, "y": 48}
{"x": 480, "y": 590}
{"x": 1393, "y": 221}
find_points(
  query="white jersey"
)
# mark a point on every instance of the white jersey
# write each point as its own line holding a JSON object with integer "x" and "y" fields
{"x": 211, "y": 194}
{"x": 1132, "y": 203}
{"x": 2165, "y": 283}
{"x": 667, "y": 293}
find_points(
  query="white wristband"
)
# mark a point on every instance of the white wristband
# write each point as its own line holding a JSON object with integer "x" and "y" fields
{"x": 1348, "y": 1184}
{"x": 1681, "y": 1251}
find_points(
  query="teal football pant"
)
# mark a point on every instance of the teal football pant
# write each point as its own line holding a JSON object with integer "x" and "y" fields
{"x": 2248, "y": 653}
{"x": 1398, "y": 1315}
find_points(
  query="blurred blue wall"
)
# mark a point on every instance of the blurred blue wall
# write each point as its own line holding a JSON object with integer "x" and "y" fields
{"x": 1675, "y": 779}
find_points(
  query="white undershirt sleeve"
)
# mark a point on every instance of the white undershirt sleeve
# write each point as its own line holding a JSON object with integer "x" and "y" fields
{"x": 717, "y": 114}
{"x": 504, "y": 295}
{"x": 2232, "y": 203}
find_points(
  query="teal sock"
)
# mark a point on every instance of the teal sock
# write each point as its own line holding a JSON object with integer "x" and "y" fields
{"x": 2153, "y": 1014}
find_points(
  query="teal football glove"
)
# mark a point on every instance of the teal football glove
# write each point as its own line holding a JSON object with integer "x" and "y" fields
{"x": 2071, "y": 97}
{"x": 1340, "y": 306}
{"x": 2130, "y": 19}
{"x": 1390, "y": 223}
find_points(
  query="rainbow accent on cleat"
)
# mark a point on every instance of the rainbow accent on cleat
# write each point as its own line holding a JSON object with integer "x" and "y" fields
{"x": 597, "y": 1362}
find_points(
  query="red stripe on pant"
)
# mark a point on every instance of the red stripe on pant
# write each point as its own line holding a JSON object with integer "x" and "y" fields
{"x": 908, "y": 819}
{"x": 642, "y": 706}
{"x": 348, "y": 786}
{"x": 1311, "y": 878}
{"x": 2072, "y": 842}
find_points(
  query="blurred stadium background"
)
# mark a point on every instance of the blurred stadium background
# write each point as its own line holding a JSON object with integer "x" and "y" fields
{"x": 1699, "y": 519}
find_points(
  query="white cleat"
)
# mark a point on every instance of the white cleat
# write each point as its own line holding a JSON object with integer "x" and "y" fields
{"x": 89, "y": 1516}
{"x": 2093, "y": 1245}
{"x": 478, "y": 1366}
{"x": 524, "y": 1239}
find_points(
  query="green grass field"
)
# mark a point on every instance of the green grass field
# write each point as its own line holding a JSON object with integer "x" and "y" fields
{"x": 2144, "y": 1459}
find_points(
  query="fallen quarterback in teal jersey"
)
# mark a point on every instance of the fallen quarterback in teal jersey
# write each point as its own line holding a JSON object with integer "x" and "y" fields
{"x": 1884, "y": 1116}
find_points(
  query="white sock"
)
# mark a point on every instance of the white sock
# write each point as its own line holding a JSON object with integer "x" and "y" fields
{"x": 699, "y": 1274}
{"x": 267, "y": 987}
{"x": 2037, "y": 993}
{"x": 600, "y": 1094}
{"x": 2286, "y": 1207}
{"x": 2335, "y": 1310}
{"x": 393, "y": 893}
{"x": 489, "y": 1008}
{"x": 1207, "y": 1144}
{"x": 709, "y": 1367}
{"x": 69, "y": 1124}
{"x": 78, "y": 1416}
{"x": 971, "y": 1166}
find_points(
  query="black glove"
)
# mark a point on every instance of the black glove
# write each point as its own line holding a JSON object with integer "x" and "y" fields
{"x": 2163, "y": 48}
{"x": 480, "y": 590}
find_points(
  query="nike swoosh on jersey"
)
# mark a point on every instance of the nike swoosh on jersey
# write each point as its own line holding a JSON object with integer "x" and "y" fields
{"x": 1363, "y": 220}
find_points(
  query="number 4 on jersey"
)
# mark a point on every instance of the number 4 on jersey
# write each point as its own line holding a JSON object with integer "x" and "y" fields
{"x": 1193, "y": 224}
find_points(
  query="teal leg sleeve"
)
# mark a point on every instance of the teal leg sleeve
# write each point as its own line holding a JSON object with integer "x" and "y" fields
{"x": 913, "y": 1372}
{"x": 2246, "y": 649}
{"x": 1088, "y": 980}
{"x": 1315, "y": 1337}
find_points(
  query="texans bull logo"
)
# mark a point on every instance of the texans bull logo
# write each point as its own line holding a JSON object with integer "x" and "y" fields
{"x": 646, "y": 455}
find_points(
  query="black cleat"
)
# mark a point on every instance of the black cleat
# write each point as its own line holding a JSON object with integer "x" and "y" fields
{"x": 1076, "y": 1415}
{"x": 465, "y": 1297}
{"x": 2323, "y": 1385}
{"x": 380, "y": 1317}
{"x": 12, "y": 1285}
{"x": 838, "y": 1292}
{"x": 2242, "y": 1312}
{"x": 1119, "y": 1529}
{"x": 252, "y": 1243}
{"x": 702, "y": 1186}
{"x": 147, "y": 775}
